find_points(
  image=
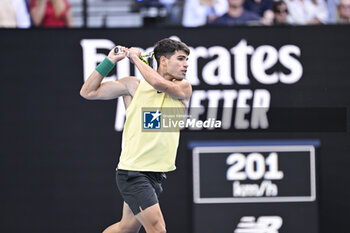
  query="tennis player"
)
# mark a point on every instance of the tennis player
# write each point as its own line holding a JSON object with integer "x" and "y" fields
{"x": 145, "y": 156}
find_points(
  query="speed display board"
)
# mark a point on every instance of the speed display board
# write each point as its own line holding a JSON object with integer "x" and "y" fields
{"x": 254, "y": 174}
{"x": 256, "y": 187}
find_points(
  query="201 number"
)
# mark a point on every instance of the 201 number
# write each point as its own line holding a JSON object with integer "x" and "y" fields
{"x": 253, "y": 166}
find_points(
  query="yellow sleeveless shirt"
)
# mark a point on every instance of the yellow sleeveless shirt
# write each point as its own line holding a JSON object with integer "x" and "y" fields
{"x": 148, "y": 151}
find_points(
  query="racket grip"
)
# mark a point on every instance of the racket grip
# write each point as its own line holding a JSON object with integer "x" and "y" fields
{"x": 116, "y": 50}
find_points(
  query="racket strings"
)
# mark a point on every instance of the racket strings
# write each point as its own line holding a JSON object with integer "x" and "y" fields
{"x": 145, "y": 57}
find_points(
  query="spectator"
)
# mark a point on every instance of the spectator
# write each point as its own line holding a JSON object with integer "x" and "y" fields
{"x": 237, "y": 15}
{"x": 343, "y": 16}
{"x": 173, "y": 8}
{"x": 14, "y": 13}
{"x": 280, "y": 11}
{"x": 307, "y": 12}
{"x": 263, "y": 8}
{"x": 51, "y": 13}
{"x": 332, "y": 10}
{"x": 200, "y": 12}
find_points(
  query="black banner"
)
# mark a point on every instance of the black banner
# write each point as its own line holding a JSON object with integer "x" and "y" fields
{"x": 59, "y": 151}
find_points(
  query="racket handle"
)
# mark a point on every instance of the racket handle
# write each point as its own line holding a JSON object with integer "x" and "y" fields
{"x": 116, "y": 50}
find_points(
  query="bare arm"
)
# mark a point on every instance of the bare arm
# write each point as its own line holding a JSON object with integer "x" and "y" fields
{"x": 93, "y": 89}
{"x": 38, "y": 12}
{"x": 178, "y": 89}
{"x": 69, "y": 19}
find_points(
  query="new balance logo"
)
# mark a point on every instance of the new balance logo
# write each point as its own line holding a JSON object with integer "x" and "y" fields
{"x": 151, "y": 120}
{"x": 264, "y": 224}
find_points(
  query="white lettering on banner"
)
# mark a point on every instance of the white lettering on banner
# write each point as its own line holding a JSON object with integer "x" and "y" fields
{"x": 222, "y": 64}
{"x": 248, "y": 63}
{"x": 266, "y": 56}
{"x": 192, "y": 71}
{"x": 233, "y": 101}
{"x": 262, "y": 58}
{"x": 241, "y": 52}
{"x": 260, "y": 65}
{"x": 261, "y": 104}
{"x": 243, "y": 109}
{"x": 91, "y": 57}
{"x": 120, "y": 115}
{"x": 295, "y": 67}
{"x": 264, "y": 224}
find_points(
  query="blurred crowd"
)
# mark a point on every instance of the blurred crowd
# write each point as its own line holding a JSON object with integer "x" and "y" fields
{"x": 265, "y": 12}
{"x": 35, "y": 13}
{"x": 188, "y": 13}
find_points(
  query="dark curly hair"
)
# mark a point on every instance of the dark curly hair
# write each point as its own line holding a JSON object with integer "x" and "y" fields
{"x": 167, "y": 47}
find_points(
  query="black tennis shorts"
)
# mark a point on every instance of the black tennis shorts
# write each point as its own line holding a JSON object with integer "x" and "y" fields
{"x": 140, "y": 190}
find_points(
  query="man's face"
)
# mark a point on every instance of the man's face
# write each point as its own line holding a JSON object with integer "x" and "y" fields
{"x": 281, "y": 13}
{"x": 344, "y": 8}
{"x": 177, "y": 65}
{"x": 235, "y": 3}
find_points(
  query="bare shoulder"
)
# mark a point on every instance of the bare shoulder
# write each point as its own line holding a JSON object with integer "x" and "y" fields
{"x": 131, "y": 80}
{"x": 182, "y": 82}
{"x": 185, "y": 87}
